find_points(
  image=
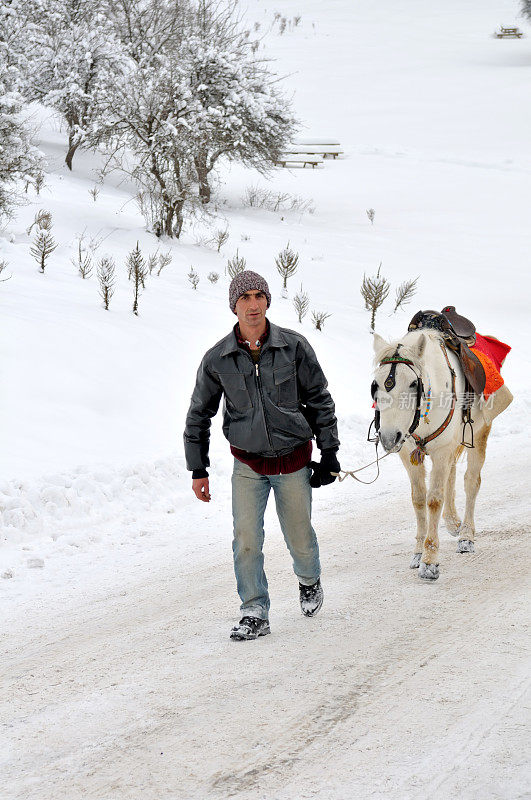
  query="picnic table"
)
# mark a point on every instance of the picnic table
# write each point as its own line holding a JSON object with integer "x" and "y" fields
{"x": 314, "y": 147}
{"x": 309, "y": 152}
{"x": 508, "y": 33}
{"x": 294, "y": 160}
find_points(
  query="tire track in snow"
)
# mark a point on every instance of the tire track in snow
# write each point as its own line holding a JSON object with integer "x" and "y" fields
{"x": 139, "y": 693}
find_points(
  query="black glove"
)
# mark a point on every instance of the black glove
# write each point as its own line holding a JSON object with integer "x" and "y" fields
{"x": 321, "y": 472}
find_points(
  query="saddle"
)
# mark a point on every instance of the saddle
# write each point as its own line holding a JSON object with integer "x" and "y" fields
{"x": 459, "y": 334}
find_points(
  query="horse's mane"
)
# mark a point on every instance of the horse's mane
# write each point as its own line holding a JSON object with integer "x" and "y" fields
{"x": 407, "y": 345}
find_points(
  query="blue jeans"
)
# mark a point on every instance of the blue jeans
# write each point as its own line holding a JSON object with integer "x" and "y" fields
{"x": 293, "y": 499}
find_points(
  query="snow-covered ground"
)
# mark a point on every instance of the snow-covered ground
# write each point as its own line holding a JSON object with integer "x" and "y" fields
{"x": 118, "y": 591}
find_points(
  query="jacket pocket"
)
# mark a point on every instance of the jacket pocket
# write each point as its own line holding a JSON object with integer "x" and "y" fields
{"x": 235, "y": 389}
{"x": 286, "y": 385}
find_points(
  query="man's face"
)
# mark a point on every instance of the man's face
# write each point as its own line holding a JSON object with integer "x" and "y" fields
{"x": 251, "y": 309}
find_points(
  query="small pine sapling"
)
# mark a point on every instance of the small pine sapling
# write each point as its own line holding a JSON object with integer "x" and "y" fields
{"x": 405, "y": 293}
{"x": 213, "y": 277}
{"x": 164, "y": 261}
{"x": 235, "y": 265}
{"x": 42, "y": 219}
{"x": 152, "y": 262}
{"x": 374, "y": 291}
{"x": 193, "y": 277}
{"x": 39, "y": 182}
{"x": 106, "y": 278}
{"x": 287, "y": 263}
{"x": 301, "y": 303}
{"x": 220, "y": 238}
{"x": 136, "y": 266}
{"x": 137, "y": 271}
{"x": 82, "y": 261}
{"x": 318, "y": 319}
{"x": 371, "y": 213}
{"x": 42, "y": 248}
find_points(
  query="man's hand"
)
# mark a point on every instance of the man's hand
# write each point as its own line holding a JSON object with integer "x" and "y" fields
{"x": 321, "y": 472}
{"x": 201, "y": 489}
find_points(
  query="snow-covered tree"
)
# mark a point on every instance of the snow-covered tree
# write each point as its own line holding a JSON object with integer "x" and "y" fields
{"x": 240, "y": 112}
{"x": 147, "y": 27}
{"x": 144, "y": 130}
{"x": 16, "y": 35}
{"x": 143, "y": 119}
{"x": 77, "y": 59}
{"x": 526, "y": 8}
{"x": 20, "y": 162}
{"x": 191, "y": 93}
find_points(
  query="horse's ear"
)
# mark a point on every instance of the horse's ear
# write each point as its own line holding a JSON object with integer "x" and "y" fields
{"x": 379, "y": 343}
{"x": 420, "y": 346}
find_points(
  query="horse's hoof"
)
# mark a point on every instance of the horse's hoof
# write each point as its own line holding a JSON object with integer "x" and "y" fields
{"x": 428, "y": 572}
{"x": 452, "y": 525}
{"x": 415, "y": 561}
{"x": 465, "y": 546}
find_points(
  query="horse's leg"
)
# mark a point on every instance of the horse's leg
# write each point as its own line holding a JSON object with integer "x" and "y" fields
{"x": 429, "y": 563}
{"x": 475, "y": 461}
{"x": 417, "y": 478}
{"x": 451, "y": 518}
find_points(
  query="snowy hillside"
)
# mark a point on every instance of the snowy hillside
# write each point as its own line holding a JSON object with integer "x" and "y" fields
{"x": 98, "y": 517}
{"x": 428, "y": 110}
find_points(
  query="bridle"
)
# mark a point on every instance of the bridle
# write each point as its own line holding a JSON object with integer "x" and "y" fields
{"x": 418, "y": 454}
{"x": 389, "y": 385}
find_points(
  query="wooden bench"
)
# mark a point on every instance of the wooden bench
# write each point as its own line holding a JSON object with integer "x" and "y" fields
{"x": 508, "y": 33}
{"x": 316, "y": 147}
{"x": 294, "y": 160}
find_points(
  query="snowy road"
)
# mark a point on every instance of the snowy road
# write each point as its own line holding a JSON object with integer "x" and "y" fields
{"x": 397, "y": 689}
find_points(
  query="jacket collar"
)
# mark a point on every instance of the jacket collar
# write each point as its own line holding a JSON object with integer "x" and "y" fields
{"x": 276, "y": 338}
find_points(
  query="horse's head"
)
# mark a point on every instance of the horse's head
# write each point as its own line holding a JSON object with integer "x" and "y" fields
{"x": 397, "y": 388}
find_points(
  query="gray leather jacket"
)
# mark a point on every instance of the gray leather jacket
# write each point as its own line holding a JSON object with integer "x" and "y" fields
{"x": 268, "y": 408}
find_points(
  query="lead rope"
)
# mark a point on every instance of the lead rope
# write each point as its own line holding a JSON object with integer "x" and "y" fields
{"x": 351, "y": 472}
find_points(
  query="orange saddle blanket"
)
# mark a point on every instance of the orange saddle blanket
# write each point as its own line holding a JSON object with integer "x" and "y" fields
{"x": 491, "y": 352}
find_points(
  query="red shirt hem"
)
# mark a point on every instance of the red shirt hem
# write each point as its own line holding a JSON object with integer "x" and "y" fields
{"x": 278, "y": 465}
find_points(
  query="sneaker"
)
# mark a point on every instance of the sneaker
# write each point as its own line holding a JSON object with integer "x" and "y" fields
{"x": 311, "y": 598}
{"x": 250, "y": 628}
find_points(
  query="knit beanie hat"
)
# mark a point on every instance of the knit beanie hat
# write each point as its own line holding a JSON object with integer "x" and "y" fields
{"x": 247, "y": 281}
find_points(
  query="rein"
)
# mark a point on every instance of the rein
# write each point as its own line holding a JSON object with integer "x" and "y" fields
{"x": 351, "y": 472}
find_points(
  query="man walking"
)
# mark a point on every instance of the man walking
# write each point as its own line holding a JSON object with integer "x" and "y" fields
{"x": 275, "y": 402}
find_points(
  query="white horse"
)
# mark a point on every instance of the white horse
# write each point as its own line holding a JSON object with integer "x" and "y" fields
{"x": 419, "y": 390}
